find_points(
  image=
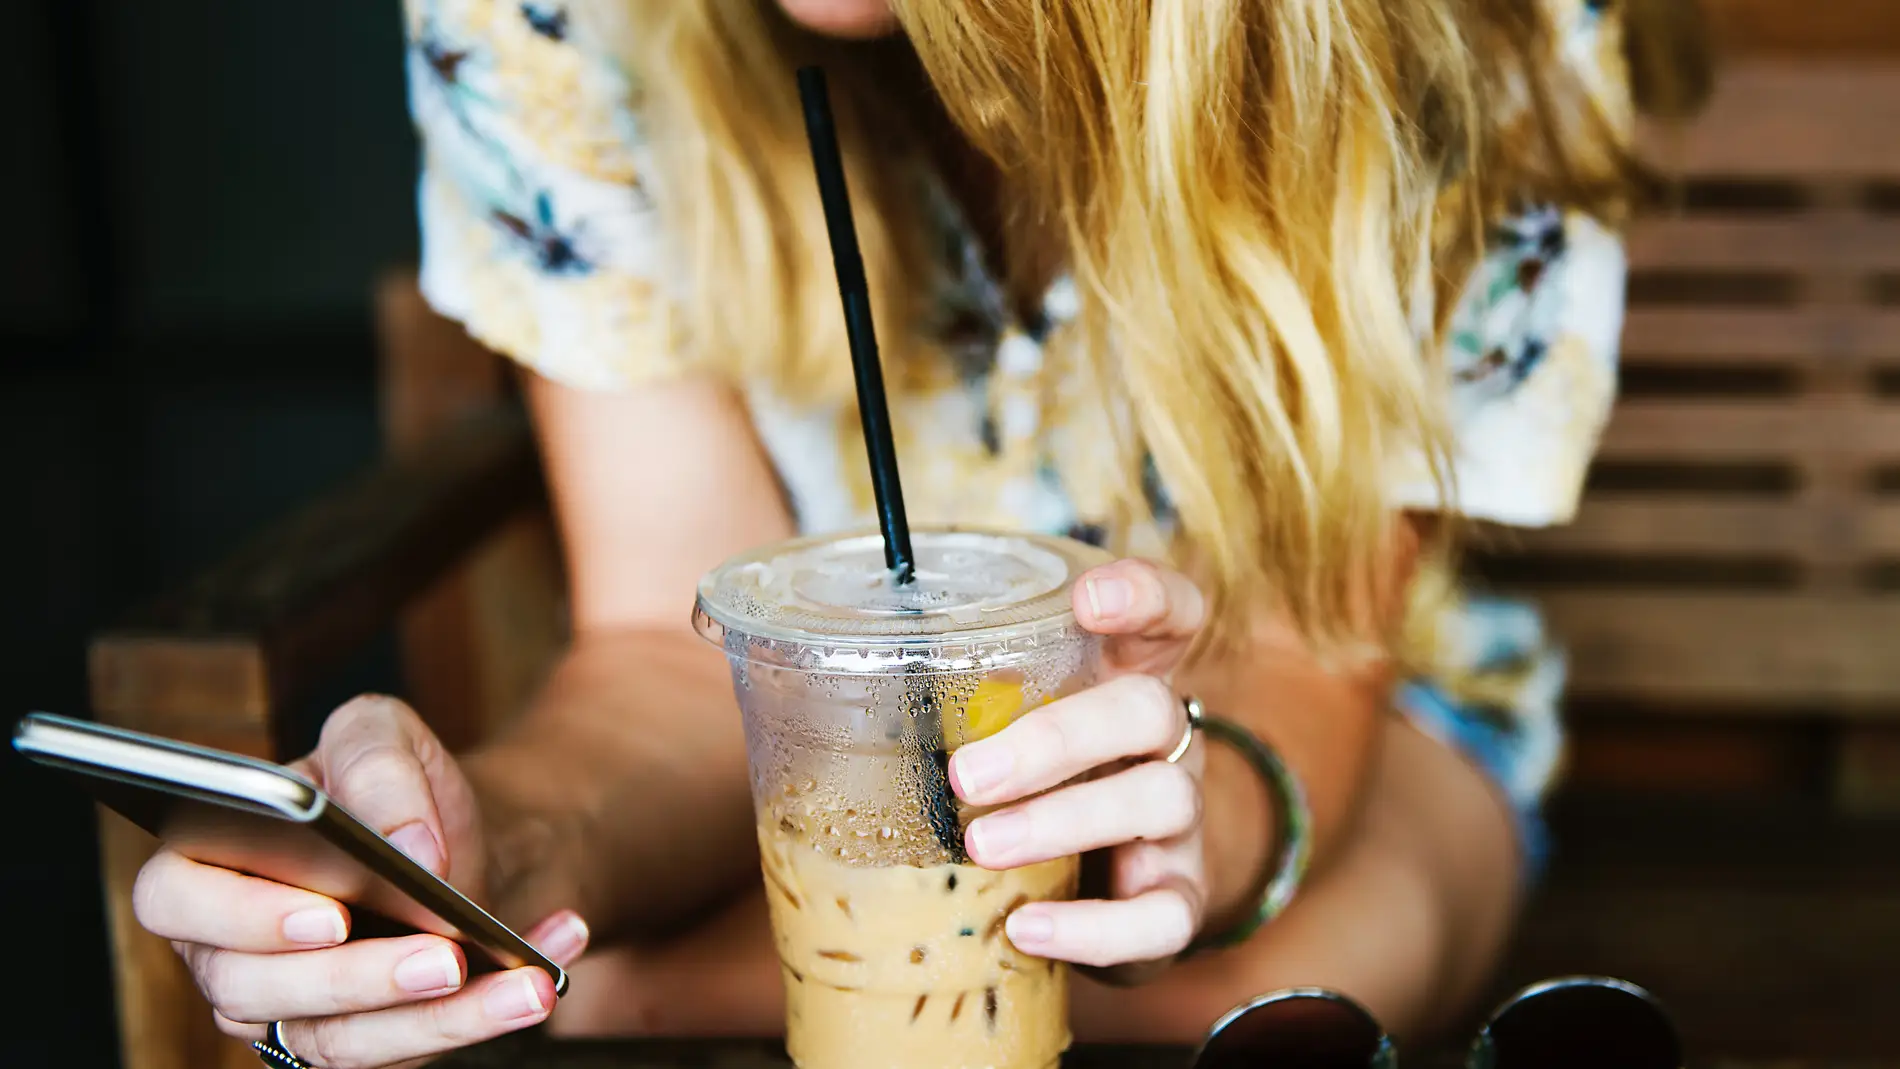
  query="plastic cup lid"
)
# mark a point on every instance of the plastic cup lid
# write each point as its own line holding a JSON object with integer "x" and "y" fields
{"x": 971, "y": 586}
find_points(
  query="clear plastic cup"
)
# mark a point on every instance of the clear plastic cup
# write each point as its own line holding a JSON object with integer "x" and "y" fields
{"x": 855, "y": 691}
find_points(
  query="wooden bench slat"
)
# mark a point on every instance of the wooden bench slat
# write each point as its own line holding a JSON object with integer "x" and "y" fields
{"x": 1742, "y": 650}
{"x": 1880, "y": 534}
{"x": 1682, "y": 525}
{"x": 1801, "y": 242}
{"x": 1768, "y": 430}
{"x": 1823, "y": 32}
{"x": 1761, "y": 335}
{"x": 1687, "y": 524}
{"x": 1785, "y": 119}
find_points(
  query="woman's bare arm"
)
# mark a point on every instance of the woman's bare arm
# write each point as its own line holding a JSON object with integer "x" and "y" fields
{"x": 622, "y": 791}
{"x": 1409, "y": 918}
{"x": 1324, "y": 721}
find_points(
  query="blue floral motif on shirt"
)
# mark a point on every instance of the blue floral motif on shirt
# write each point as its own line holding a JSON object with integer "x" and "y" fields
{"x": 542, "y": 239}
{"x": 547, "y": 20}
{"x": 1501, "y": 331}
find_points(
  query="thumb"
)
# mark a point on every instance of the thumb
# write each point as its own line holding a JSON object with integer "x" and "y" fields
{"x": 1147, "y": 613}
{"x": 371, "y": 759}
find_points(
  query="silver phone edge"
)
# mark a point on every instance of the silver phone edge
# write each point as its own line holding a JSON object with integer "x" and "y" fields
{"x": 153, "y": 761}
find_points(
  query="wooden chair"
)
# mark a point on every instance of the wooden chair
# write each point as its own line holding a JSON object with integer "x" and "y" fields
{"x": 448, "y": 541}
{"x": 1763, "y": 471}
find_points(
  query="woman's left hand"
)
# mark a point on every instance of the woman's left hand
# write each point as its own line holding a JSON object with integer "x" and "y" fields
{"x": 1112, "y": 740}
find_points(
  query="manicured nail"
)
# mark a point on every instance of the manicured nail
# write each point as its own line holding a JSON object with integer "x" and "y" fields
{"x": 513, "y": 998}
{"x": 996, "y": 837}
{"x": 429, "y": 971}
{"x": 1108, "y": 598}
{"x": 566, "y": 940}
{"x": 419, "y": 843}
{"x": 315, "y": 927}
{"x": 978, "y": 769}
{"x": 1030, "y": 928}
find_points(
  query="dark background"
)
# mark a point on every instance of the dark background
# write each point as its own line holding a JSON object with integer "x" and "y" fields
{"x": 198, "y": 195}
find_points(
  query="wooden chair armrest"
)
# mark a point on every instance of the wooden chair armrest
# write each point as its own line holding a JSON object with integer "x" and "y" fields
{"x": 213, "y": 660}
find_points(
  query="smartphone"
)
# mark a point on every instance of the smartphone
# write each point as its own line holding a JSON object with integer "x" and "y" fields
{"x": 263, "y": 819}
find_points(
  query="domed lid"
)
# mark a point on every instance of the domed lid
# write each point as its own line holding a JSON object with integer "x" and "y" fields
{"x": 971, "y": 586}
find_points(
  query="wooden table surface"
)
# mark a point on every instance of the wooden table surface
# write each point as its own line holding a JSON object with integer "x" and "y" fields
{"x": 732, "y": 1054}
{"x": 739, "y": 1054}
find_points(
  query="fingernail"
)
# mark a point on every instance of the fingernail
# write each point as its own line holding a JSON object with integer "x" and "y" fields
{"x": 1108, "y": 598}
{"x": 419, "y": 843}
{"x": 978, "y": 769}
{"x": 427, "y": 971}
{"x": 566, "y": 940}
{"x": 315, "y": 927}
{"x": 1030, "y": 928}
{"x": 513, "y": 998}
{"x": 996, "y": 837}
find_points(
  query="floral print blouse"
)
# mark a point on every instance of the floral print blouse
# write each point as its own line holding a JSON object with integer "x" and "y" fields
{"x": 539, "y": 237}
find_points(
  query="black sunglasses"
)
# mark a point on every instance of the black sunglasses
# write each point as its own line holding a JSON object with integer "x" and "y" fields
{"x": 1576, "y": 1022}
{"x": 1301, "y": 1028}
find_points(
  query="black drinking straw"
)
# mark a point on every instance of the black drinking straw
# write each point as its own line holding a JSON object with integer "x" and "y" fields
{"x": 874, "y": 411}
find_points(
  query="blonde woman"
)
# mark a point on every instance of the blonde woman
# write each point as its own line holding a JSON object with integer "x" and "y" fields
{"x": 1255, "y": 292}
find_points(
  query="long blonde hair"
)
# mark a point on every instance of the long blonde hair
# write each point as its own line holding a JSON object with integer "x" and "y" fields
{"x": 1251, "y": 195}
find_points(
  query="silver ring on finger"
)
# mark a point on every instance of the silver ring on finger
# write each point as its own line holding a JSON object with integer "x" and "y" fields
{"x": 1195, "y": 714}
{"x": 272, "y": 1050}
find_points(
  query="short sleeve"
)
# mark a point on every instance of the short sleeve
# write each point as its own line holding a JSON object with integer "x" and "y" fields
{"x": 1532, "y": 343}
{"x": 1532, "y": 354}
{"x": 537, "y": 232}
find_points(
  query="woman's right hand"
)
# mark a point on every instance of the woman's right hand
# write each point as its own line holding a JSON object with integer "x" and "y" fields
{"x": 264, "y": 952}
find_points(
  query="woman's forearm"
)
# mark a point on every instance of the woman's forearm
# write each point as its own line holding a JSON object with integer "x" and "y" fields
{"x": 621, "y": 792}
{"x": 1324, "y": 720}
{"x": 1446, "y": 823}
{"x": 1323, "y": 724}
{"x": 1409, "y": 918}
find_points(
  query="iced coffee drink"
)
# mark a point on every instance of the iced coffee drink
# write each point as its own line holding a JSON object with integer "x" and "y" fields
{"x": 855, "y": 692}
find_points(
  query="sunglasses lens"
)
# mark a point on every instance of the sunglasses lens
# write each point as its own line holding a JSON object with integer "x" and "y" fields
{"x": 1301, "y": 1030}
{"x": 1582, "y": 1024}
